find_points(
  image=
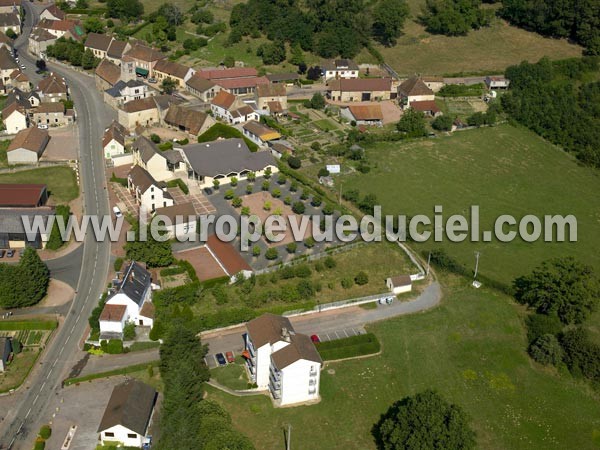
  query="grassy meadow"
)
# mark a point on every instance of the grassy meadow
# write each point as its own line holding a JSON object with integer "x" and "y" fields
{"x": 61, "y": 181}
{"x": 471, "y": 349}
{"x": 504, "y": 170}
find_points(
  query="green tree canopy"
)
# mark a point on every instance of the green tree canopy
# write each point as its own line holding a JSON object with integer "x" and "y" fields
{"x": 388, "y": 20}
{"x": 412, "y": 123}
{"x": 563, "y": 287}
{"x": 424, "y": 421}
{"x": 128, "y": 9}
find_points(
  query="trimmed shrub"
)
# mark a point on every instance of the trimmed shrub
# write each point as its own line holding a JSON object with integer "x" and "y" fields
{"x": 45, "y": 432}
{"x": 271, "y": 253}
{"x": 118, "y": 265}
{"x": 546, "y": 350}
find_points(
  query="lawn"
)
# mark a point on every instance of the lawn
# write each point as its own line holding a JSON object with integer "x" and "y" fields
{"x": 471, "y": 349}
{"x": 61, "y": 181}
{"x": 18, "y": 369}
{"x": 489, "y": 49}
{"x": 232, "y": 376}
{"x": 325, "y": 124}
{"x": 3, "y": 156}
{"x": 368, "y": 258}
{"x": 504, "y": 170}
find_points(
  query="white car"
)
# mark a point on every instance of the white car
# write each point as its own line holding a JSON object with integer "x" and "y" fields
{"x": 117, "y": 212}
{"x": 42, "y": 126}
{"x": 22, "y": 67}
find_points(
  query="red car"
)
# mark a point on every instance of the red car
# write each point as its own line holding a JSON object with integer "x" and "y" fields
{"x": 230, "y": 357}
{"x": 315, "y": 338}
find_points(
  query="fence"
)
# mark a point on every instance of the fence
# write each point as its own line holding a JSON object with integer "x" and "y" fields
{"x": 339, "y": 304}
{"x": 307, "y": 258}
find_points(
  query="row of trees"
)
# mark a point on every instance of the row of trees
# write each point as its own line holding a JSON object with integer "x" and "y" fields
{"x": 73, "y": 52}
{"x": 188, "y": 422}
{"x": 325, "y": 27}
{"x": 23, "y": 284}
{"x": 554, "y": 100}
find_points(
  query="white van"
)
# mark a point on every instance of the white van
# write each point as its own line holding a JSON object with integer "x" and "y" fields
{"x": 117, "y": 212}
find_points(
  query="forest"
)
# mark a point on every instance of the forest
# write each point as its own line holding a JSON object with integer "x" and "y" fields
{"x": 553, "y": 99}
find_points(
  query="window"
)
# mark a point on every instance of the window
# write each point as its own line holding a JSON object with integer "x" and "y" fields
{"x": 109, "y": 434}
{"x": 131, "y": 435}
{"x": 152, "y": 197}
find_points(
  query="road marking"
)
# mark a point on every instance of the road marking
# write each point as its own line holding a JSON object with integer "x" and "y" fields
{"x": 36, "y": 398}
{"x": 43, "y": 384}
{"x": 345, "y": 333}
{"x": 28, "y": 412}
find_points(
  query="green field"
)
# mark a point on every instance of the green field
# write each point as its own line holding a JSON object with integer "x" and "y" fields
{"x": 61, "y": 181}
{"x": 471, "y": 349}
{"x": 232, "y": 376}
{"x": 488, "y": 49}
{"x": 504, "y": 170}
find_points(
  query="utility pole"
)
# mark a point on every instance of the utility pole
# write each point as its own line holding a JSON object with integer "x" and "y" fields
{"x": 428, "y": 261}
{"x": 289, "y": 434}
{"x": 476, "y": 264}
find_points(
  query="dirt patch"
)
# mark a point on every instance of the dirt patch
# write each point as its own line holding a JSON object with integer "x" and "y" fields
{"x": 62, "y": 145}
{"x": 256, "y": 202}
{"x": 59, "y": 293}
{"x": 205, "y": 265}
{"x": 172, "y": 281}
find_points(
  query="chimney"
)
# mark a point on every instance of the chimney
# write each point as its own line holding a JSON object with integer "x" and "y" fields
{"x": 285, "y": 334}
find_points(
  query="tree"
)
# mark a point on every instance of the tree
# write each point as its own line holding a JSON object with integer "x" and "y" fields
{"x": 128, "y": 9}
{"x": 442, "y": 123}
{"x": 388, "y": 19}
{"x": 412, "y": 123}
{"x": 368, "y": 203}
{"x": 157, "y": 331}
{"x": 81, "y": 4}
{"x": 317, "y": 101}
{"x": 256, "y": 250}
{"x": 454, "y": 17}
{"x": 41, "y": 64}
{"x": 168, "y": 85}
{"x": 55, "y": 240}
{"x": 546, "y": 350}
{"x": 10, "y": 33}
{"x": 294, "y": 162}
{"x": 562, "y": 287}
{"x": 88, "y": 60}
{"x": 129, "y": 331}
{"x": 272, "y": 53}
{"x": 229, "y": 61}
{"x": 93, "y": 25}
{"x": 297, "y": 56}
{"x": 152, "y": 252}
{"x": 33, "y": 277}
{"x": 314, "y": 73}
{"x": 424, "y": 421}
{"x": 171, "y": 13}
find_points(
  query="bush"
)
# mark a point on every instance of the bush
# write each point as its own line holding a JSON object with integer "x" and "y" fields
{"x": 178, "y": 182}
{"x": 546, "y": 350}
{"x": 233, "y": 181}
{"x": 45, "y": 432}
{"x": 271, "y": 254}
{"x": 118, "y": 265}
{"x": 40, "y": 444}
{"x": 347, "y": 283}
{"x": 362, "y": 344}
{"x": 541, "y": 324}
{"x": 323, "y": 172}
{"x": 236, "y": 202}
{"x": 157, "y": 331}
{"x": 249, "y": 188}
{"x": 298, "y": 208}
{"x": 155, "y": 138}
{"x": 361, "y": 278}
{"x": 129, "y": 331}
{"x": 329, "y": 262}
{"x": 266, "y": 185}
{"x": 112, "y": 347}
{"x": 309, "y": 242}
{"x": 291, "y": 247}
{"x": 316, "y": 201}
{"x": 276, "y": 193}
{"x": 256, "y": 250}
{"x": 294, "y": 162}
{"x": 442, "y": 123}
{"x": 170, "y": 271}
{"x": 229, "y": 194}
{"x": 302, "y": 271}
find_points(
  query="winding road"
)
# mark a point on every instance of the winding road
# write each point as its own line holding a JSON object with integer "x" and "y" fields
{"x": 31, "y": 402}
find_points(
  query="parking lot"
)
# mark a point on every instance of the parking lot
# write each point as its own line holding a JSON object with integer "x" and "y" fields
{"x": 341, "y": 334}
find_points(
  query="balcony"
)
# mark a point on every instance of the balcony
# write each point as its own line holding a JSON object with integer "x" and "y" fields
{"x": 275, "y": 382}
{"x": 276, "y": 393}
{"x": 312, "y": 391}
{"x": 275, "y": 373}
{"x": 313, "y": 373}
{"x": 312, "y": 382}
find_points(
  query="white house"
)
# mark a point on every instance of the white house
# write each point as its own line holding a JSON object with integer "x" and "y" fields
{"x": 497, "y": 82}
{"x": 260, "y": 134}
{"x": 113, "y": 141}
{"x": 148, "y": 192}
{"x": 182, "y": 219}
{"x": 15, "y": 118}
{"x": 340, "y": 68}
{"x": 399, "y": 284}
{"x": 128, "y": 414}
{"x": 281, "y": 360}
{"x": 161, "y": 165}
{"x": 226, "y": 107}
{"x": 130, "y": 302}
{"x": 126, "y": 91}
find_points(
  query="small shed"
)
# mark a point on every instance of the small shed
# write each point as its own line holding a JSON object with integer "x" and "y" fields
{"x": 399, "y": 284}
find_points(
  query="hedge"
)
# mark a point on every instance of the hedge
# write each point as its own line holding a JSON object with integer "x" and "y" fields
{"x": 110, "y": 373}
{"x": 28, "y": 325}
{"x": 363, "y": 344}
{"x": 220, "y": 130}
{"x": 169, "y": 271}
{"x": 178, "y": 182}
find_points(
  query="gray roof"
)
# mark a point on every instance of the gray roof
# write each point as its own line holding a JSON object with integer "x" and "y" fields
{"x": 146, "y": 147}
{"x": 340, "y": 64}
{"x": 5, "y": 347}
{"x": 136, "y": 281}
{"x": 11, "y": 220}
{"x": 173, "y": 156}
{"x": 10, "y": 19}
{"x": 225, "y": 156}
{"x": 130, "y": 405}
{"x": 7, "y": 62}
{"x": 115, "y": 91}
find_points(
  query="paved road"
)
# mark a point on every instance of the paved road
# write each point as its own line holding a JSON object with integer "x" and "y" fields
{"x": 67, "y": 267}
{"x": 21, "y": 424}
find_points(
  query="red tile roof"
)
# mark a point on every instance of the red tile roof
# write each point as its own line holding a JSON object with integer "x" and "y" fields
{"x": 113, "y": 313}
{"x": 366, "y": 112}
{"x": 237, "y": 83}
{"x": 223, "y": 99}
{"x": 223, "y": 74}
{"x": 227, "y": 255}
{"x": 425, "y": 106}
{"x": 21, "y": 195}
{"x": 361, "y": 85}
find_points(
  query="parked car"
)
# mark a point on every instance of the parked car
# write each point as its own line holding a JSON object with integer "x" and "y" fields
{"x": 152, "y": 80}
{"x": 221, "y": 359}
{"x": 315, "y": 338}
{"x": 10, "y": 253}
{"x": 208, "y": 191}
{"x": 2, "y": 253}
{"x": 117, "y": 212}
{"x": 22, "y": 66}
{"x": 42, "y": 126}
{"x": 230, "y": 357}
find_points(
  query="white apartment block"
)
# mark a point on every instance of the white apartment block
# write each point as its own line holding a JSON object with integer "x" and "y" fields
{"x": 283, "y": 361}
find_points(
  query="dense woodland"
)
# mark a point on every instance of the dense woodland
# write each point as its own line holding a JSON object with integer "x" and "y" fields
{"x": 325, "y": 27}
{"x": 556, "y": 100}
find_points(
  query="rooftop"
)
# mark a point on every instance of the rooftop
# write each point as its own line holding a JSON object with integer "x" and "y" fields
{"x": 21, "y": 195}
{"x": 33, "y": 139}
{"x": 113, "y": 313}
{"x": 266, "y": 329}
{"x": 130, "y": 405}
{"x": 227, "y": 255}
{"x": 136, "y": 280}
{"x": 414, "y": 86}
{"x": 271, "y": 90}
{"x": 300, "y": 347}
{"x": 361, "y": 85}
{"x": 108, "y": 71}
